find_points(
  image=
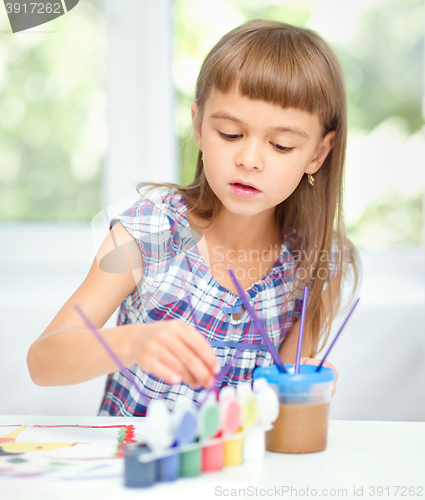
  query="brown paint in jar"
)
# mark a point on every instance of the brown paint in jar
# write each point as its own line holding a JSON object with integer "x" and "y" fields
{"x": 301, "y": 428}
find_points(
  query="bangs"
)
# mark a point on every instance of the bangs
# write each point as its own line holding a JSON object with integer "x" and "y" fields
{"x": 281, "y": 66}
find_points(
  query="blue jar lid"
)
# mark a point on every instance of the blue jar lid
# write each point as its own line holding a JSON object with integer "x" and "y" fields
{"x": 307, "y": 375}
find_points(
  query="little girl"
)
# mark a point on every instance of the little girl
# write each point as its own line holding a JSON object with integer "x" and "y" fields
{"x": 270, "y": 123}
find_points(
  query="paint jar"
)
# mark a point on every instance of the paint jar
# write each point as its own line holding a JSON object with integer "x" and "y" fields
{"x": 184, "y": 423}
{"x": 249, "y": 404}
{"x": 158, "y": 434}
{"x": 268, "y": 411}
{"x": 304, "y": 400}
{"x": 249, "y": 407}
{"x": 138, "y": 474}
{"x": 190, "y": 463}
{"x": 232, "y": 420}
{"x": 168, "y": 468}
{"x": 233, "y": 450}
{"x": 212, "y": 456}
{"x": 209, "y": 427}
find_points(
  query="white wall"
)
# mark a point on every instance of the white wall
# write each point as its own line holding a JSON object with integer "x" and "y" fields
{"x": 380, "y": 356}
{"x": 41, "y": 265}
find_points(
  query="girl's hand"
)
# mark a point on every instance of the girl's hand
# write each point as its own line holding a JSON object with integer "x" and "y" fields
{"x": 316, "y": 362}
{"x": 176, "y": 352}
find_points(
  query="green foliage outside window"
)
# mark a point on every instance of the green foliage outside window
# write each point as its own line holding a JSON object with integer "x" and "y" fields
{"x": 52, "y": 118}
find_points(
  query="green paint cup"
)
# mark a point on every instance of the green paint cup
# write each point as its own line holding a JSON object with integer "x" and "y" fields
{"x": 190, "y": 463}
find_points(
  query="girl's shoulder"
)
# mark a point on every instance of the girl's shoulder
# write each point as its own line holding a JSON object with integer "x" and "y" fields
{"x": 154, "y": 211}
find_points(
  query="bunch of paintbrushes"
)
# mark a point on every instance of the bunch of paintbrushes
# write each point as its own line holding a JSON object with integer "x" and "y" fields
{"x": 267, "y": 341}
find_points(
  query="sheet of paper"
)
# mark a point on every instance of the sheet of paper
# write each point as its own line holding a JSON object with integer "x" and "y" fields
{"x": 65, "y": 451}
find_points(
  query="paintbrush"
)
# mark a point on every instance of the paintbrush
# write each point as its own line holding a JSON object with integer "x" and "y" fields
{"x": 125, "y": 371}
{"x": 257, "y": 323}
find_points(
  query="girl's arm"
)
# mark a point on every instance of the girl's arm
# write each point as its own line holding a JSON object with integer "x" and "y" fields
{"x": 68, "y": 353}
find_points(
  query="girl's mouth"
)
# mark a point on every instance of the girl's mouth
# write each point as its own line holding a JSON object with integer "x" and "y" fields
{"x": 243, "y": 191}
{"x": 244, "y": 186}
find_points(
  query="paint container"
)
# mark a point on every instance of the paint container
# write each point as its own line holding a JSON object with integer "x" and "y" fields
{"x": 136, "y": 473}
{"x": 158, "y": 433}
{"x": 232, "y": 448}
{"x": 168, "y": 468}
{"x": 252, "y": 447}
{"x": 190, "y": 463}
{"x": 249, "y": 405}
{"x": 209, "y": 427}
{"x": 268, "y": 411}
{"x": 231, "y": 420}
{"x": 230, "y": 409}
{"x": 184, "y": 424}
{"x": 212, "y": 457}
{"x": 304, "y": 400}
{"x": 254, "y": 444}
{"x": 208, "y": 418}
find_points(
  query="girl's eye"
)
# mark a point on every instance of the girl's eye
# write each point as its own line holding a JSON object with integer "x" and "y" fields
{"x": 229, "y": 137}
{"x": 233, "y": 137}
{"x": 282, "y": 149}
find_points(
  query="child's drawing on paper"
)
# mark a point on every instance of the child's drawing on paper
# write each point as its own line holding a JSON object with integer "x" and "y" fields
{"x": 9, "y": 445}
{"x": 30, "y": 450}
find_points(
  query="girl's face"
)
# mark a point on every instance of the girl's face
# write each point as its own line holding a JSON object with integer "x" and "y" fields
{"x": 257, "y": 142}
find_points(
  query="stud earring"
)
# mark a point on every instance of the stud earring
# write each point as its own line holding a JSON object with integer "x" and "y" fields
{"x": 310, "y": 179}
{"x": 202, "y": 157}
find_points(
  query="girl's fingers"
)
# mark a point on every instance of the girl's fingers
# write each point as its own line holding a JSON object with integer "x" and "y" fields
{"x": 310, "y": 361}
{"x": 198, "y": 344}
{"x": 168, "y": 358}
{"x": 316, "y": 362}
{"x": 180, "y": 348}
{"x": 192, "y": 363}
{"x": 161, "y": 370}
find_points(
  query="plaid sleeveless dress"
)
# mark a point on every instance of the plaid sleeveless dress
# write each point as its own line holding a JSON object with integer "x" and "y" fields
{"x": 172, "y": 267}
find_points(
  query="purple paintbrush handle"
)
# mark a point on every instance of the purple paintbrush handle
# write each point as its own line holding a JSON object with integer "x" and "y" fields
{"x": 337, "y": 335}
{"x": 126, "y": 372}
{"x": 228, "y": 366}
{"x": 223, "y": 373}
{"x": 192, "y": 310}
{"x": 257, "y": 323}
{"x": 301, "y": 332}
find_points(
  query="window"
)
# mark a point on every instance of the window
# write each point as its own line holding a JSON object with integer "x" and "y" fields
{"x": 53, "y": 125}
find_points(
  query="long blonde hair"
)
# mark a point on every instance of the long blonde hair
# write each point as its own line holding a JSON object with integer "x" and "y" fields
{"x": 295, "y": 68}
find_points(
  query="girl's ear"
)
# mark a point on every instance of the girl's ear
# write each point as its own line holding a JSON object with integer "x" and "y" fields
{"x": 196, "y": 121}
{"x": 325, "y": 145}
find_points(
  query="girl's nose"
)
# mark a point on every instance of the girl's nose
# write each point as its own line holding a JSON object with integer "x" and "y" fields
{"x": 249, "y": 156}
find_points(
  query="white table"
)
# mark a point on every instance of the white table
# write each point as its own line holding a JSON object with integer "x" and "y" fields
{"x": 359, "y": 456}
